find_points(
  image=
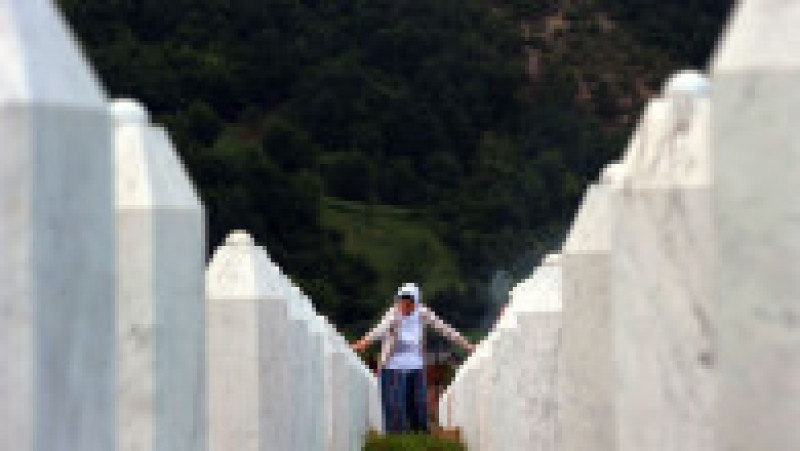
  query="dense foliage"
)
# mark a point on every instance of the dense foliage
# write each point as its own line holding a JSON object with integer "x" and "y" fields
{"x": 369, "y": 142}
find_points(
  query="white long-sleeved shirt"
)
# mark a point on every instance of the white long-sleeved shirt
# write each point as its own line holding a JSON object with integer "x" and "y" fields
{"x": 408, "y": 355}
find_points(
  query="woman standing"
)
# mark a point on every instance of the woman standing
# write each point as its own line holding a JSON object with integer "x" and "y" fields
{"x": 401, "y": 364}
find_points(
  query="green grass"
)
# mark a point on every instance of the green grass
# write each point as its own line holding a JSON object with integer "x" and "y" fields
{"x": 410, "y": 442}
{"x": 397, "y": 242}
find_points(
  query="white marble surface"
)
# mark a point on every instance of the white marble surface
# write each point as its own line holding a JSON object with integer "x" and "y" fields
{"x": 538, "y": 381}
{"x": 315, "y": 379}
{"x": 472, "y": 406}
{"x": 755, "y": 150}
{"x": 331, "y": 400}
{"x": 486, "y": 390}
{"x": 661, "y": 281}
{"x": 375, "y": 409}
{"x": 275, "y": 359}
{"x": 449, "y": 406}
{"x": 480, "y": 418}
{"x": 247, "y": 369}
{"x": 504, "y": 395}
{"x": 57, "y": 236}
{"x": 539, "y": 319}
{"x": 503, "y": 374}
{"x": 317, "y": 391}
{"x": 354, "y": 401}
{"x": 340, "y": 400}
{"x": 459, "y": 399}
{"x": 233, "y": 306}
{"x": 586, "y": 394}
{"x": 42, "y": 63}
{"x": 328, "y": 388}
{"x": 464, "y": 399}
{"x": 507, "y": 372}
{"x": 360, "y": 400}
{"x": 298, "y": 363}
{"x": 312, "y": 392}
{"x": 444, "y": 406}
{"x": 160, "y": 291}
{"x": 334, "y": 397}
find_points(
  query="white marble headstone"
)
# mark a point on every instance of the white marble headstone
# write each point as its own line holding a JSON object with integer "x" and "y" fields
{"x": 298, "y": 363}
{"x": 445, "y": 419}
{"x": 327, "y": 387}
{"x": 483, "y": 394}
{"x": 247, "y": 345}
{"x": 464, "y": 398}
{"x": 161, "y": 302}
{"x": 341, "y": 408}
{"x": 586, "y": 392}
{"x": 755, "y": 152}
{"x": 57, "y": 262}
{"x": 375, "y": 410}
{"x": 661, "y": 278}
{"x": 539, "y": 317}
{"x": 319, "y": 402}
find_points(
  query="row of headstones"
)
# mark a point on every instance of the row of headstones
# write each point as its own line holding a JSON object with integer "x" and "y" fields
{"x": 502, "y": 397}
{"x": 670, "y": 319}
{"x": 280, "y": 376}
{"x": 236, "y": 360}
{"x": 111, "y": 334}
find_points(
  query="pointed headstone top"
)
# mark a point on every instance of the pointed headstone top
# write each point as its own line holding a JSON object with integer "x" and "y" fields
{"x": 149, "y": 173}
{"x": 239, "y": 238}
{"x": 552, "y": 260}
{"x": 241, "y": 269}
{"x": 763, "y": 34}
{"x": 670, "y": 147}
{"x": 129, "y": 111}
{"x": 41, "y": 61}
{"x": 543, "y": 291}
{"x": 614, "y": 173}
{"x": 591, "y": 230}
{"x": 687, "y": 82}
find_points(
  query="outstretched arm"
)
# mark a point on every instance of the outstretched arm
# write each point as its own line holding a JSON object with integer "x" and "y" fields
{"x": 448, "y": 331}
{"x": 377, "y": 332}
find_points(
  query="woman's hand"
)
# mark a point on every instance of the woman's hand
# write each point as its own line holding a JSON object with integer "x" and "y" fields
{"x": 358, "y": 346}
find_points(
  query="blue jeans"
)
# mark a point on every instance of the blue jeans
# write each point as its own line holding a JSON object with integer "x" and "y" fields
{"x": 404, "y": 396}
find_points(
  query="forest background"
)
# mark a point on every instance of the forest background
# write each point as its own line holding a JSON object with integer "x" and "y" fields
{"x": 366, "y": 143}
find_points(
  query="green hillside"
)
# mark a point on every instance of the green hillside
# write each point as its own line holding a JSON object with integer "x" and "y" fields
{"x": 369, "y": 142}
{"x": 394, "y": 241}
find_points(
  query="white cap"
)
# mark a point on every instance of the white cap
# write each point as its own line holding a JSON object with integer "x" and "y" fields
{"x": 410, "y": 289}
